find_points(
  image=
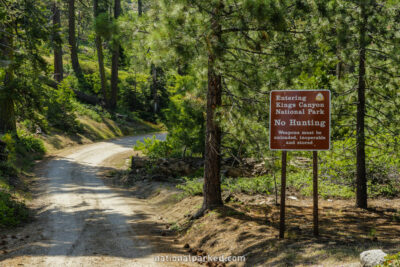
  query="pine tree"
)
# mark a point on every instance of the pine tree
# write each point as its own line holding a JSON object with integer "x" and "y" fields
{"x": 7, "y": 107}
{"x": 115, "y": 59}
{"x": 73, "y": 44}
{"x": 21, "y": 35}
{"x": 57, "y": 43}
{"x": 224, "y": 38}
{"x": 100, "y": 55}
{"x": 364, "y": 37}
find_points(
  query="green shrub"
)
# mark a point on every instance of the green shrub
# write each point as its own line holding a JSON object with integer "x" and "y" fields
{"x": 61, "y": 113}
{"x": 96, "y": 113}
{"x": 191, "y": 187}
{"x": 302, "y": 182}
{"x": 391, "y": 261}
{"x": 94, "y": 82}
{"x": 7, "y": 170}
{"x": 12, "y": 212}
{"x": 22, "y": 151}
{"x": 184, "y": 116}
{"x": 256, "y": 185}
{"x": 154, "y": 148}
{"x": 30, "y": 143}
{"x": 10, "y": 146}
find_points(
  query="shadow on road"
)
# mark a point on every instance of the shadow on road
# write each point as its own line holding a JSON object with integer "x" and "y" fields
{"x": 80, "y": 216}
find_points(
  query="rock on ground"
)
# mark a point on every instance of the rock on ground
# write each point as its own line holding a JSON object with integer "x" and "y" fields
{"x": 371, "y": 258}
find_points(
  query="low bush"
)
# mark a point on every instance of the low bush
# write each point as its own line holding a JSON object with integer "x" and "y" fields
{"x": 7, "y": 171}
{"x": 22, "y": 152}
{"x": 191, "y": 187}
{"x": 61, "y": 113}
{"x": 96, "y": 113}
{"x": 29, "y": 143}
{"x": 391, "y": 261}
{"x": 12, "y": 212}
{"x": 300, "y": 182}
{"x": 154, "y": 148}
{"x": 256, "y": 185}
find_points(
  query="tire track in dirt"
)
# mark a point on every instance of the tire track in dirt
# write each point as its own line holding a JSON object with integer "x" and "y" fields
{"x": 84, "y": 222}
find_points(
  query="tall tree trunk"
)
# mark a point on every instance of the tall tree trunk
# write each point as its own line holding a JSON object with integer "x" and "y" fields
{"x": 72, "y": 42}
{"x": 339, "y": 65}
{"x": 212, "y": 166}
{"x": 140, "y": 7}
{"x": 7, "y": 114}
{"x": 7, "y": 108}
{"x": 361, "y": 201}
{"x": 58, "y": 60}
{"x": 115, "y": 62}
{"x": 100, "y": 56}
{"x": 78, "y": 30}
{"x": 154, "y": 88}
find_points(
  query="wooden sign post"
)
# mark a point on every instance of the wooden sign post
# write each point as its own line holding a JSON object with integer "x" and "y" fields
{"x": 299, "y": 120}
{"x": 315, "y": 193}
{"x": 283, "y": 197}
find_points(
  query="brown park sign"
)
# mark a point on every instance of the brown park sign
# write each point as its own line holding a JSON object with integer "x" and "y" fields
{"x": 300, "y": 120}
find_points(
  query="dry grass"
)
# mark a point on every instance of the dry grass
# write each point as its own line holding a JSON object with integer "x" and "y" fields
{"x": 95, "y": 131}
{"x": 251, "y": 229}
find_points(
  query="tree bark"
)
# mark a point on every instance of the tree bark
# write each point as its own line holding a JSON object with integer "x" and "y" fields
{"x": 140, "y": 7}
{"x": 7, "y": 114}
{"x": 115, "y": 62}
{"x": 58, "y": 60}
{"x": 72, "y": 42}
{"x": 7, "y": 108}
{"x": 154, "y": 88}
{"x": 361, "y": 201}
{"x": 100, "y": 55}
{"x": 212, "y": 177}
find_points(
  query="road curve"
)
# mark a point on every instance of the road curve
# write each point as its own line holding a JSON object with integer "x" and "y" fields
{"x": 82, "y": 221}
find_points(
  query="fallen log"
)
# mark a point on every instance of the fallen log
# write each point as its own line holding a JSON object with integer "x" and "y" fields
{"x": 88, "y": 99}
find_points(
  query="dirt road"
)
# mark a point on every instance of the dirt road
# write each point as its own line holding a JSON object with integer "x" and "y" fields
{"x": 82, "y": 222}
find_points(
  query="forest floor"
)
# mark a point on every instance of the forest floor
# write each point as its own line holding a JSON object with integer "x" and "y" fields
{"x": 249, "y": 226}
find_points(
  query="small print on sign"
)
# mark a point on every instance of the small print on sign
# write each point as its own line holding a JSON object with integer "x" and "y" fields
{"x": 300, "y": 120}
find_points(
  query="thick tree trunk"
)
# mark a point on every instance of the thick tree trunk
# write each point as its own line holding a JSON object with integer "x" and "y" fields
{"x": 115, "y": 62}
{"x": 212, "y": 166}
{"x": 58, "y": 60}
{"x": 78, "y": 30}
{"x": 3, "y": 153}
{"x": 72, "y": 42}
{"x": 7, "y": 108}
{"x": 361, "y": 201}
{"x": 100, "y": 55}
{"x": 7, "y": 114}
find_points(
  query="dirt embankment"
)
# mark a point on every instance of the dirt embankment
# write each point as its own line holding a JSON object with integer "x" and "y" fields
{"x": 92, "y": 131}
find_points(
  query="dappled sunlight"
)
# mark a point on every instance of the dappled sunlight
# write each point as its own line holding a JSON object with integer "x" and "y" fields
{"x": 82, "y": 217}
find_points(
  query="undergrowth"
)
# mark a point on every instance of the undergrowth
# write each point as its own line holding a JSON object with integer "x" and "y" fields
{"x": 22, "y": 151}
{"x": 300, "y": 182}
{"x": 12, "y": 211}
